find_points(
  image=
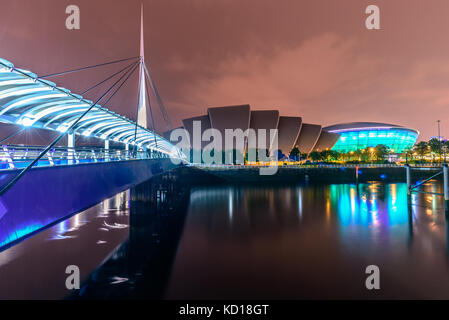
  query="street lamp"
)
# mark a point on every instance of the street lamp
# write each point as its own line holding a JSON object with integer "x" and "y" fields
{"x": 439, "y": 141}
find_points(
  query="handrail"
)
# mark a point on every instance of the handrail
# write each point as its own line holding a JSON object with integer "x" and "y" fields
{"x": 311, "y": 165}
{"x": 14, "y": 157}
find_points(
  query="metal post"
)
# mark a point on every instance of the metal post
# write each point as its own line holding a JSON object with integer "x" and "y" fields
{"x": 439, "y": 142}
{"x": 409, "y": 180}
{"x": 409, "y": 198}
{"x": 8, "y": 157}
{"x": 127, "y": 151}
{"x": 446, "y": 187}
{"x": 70, "y": 147}
{"x": 106, "y": 150}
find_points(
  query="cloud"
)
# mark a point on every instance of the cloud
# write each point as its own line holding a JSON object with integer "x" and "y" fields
{"x": 295, "y": 79}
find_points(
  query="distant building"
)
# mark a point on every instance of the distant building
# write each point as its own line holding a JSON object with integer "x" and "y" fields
{"x": 292, "y": 131}
{"x": 361, "y": 135}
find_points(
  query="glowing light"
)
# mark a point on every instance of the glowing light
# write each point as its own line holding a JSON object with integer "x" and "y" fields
{"x": 27, "y": 122}
{"x": 397, "y": 139}
{"x": 30, "y": 102}
{"x": 62, "y": 128}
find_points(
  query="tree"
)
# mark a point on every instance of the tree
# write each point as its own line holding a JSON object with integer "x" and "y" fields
{"x": 295, "y": 154}
{"x": 257, "y": 155}
{"x": 315, "y": 156}
{"x": 358, "y": 154}
{"x": 303, "y": 155}
{"x": 335, "y": 155}
{"x": 329, "y": 155}
{"x": 445, "y": 148}
{"x": 435, "y": 146}
{"x": 280, "y": 154}
{"x": 421, "y": 148}
{"x": 325, "y": 155}
{"x": 381, "y": 151}
{"x": 365, "y": 155}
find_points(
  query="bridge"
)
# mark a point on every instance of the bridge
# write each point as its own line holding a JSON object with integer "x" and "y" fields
{"x": 41, "y": 185}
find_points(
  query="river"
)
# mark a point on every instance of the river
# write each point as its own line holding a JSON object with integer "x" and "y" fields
{"x": 242, "y": 242}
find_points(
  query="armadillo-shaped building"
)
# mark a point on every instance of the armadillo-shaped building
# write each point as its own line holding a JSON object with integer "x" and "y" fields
{"x": 291, "y": 131}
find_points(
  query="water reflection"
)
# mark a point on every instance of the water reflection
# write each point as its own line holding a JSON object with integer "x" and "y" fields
{"x": 35, "y": 268}
{"x": 312, "y": 241}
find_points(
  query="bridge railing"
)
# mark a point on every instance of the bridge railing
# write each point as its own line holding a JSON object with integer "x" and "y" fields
{"x": 18, "y": 156}
{"x": 316, "y": 165}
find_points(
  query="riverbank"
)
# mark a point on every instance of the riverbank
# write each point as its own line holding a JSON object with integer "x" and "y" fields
{"x": 315, "y": 174}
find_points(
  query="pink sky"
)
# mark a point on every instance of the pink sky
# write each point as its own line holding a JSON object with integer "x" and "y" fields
{"x": 312, "y": 58}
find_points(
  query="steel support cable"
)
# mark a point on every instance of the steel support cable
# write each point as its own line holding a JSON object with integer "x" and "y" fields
{"x": 86, "y": 68}
{"x": 128, "y": 75}
{"x": 137, "y": 117}
{"x": 425, "y": 180}
{"x": 55, "y": 88}
{"x": 108, "y": 78}
{"x": 158, "y": 97}
{"x": 151, "y": 112}
{"x": 51, "y": 145}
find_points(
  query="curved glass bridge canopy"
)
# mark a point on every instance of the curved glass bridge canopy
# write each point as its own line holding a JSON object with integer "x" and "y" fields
{"x": 27, "y": 100}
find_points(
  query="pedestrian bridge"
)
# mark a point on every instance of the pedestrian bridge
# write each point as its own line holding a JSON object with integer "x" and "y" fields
{"x": 41, "y": 185}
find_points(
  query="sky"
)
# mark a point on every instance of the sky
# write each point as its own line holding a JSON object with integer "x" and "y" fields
{"x": 308, "y": 58}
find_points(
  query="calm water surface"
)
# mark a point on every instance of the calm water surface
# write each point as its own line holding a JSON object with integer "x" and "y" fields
{"x": 245, "y": 242}
{"x": 35, "y": 268}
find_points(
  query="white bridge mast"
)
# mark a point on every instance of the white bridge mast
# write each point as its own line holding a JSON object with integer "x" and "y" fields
{"x": 142, "y": 106}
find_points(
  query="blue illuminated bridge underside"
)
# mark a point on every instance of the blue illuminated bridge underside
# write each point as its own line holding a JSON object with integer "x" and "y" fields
{"x": 360, "y": 135}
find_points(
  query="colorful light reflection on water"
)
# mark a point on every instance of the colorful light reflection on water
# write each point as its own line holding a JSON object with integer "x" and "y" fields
{"x": 312, "y": 242}
{"x": 35, "y": 267}
{"x": 374, "y": 204}
{"x": 251, "y": 242}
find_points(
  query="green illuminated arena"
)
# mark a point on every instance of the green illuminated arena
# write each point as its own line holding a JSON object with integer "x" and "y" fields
{"x": 360, "y": 135}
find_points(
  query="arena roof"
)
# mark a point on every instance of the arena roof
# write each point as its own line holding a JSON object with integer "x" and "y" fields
{"x": 27, "y": 100}
{"x": 357, "y": 126}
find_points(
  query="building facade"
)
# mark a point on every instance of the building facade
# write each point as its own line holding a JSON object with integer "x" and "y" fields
{"x": 360, "y": 135}
{"x": 291, "y": 131}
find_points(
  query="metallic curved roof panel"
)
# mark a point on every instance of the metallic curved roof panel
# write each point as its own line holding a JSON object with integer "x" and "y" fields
{"x": 32, "y": 102}
{"x": 308, "y": 137}
{"x": 205, "y": 124}
{"x": 264, "y": 119}
{"x": 288, "y": 131}
{"x": 232, "y": 117}
{"x": 326, "y": 141}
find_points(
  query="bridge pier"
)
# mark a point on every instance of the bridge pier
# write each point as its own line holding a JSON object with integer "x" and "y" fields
{"x": 409, "y": 179}
{"x": 446, "y": 188}
{"x": 445, "y": 193}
